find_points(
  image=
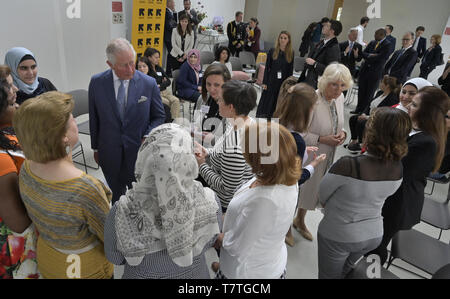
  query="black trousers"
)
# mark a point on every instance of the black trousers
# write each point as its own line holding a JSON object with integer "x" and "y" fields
{"x": 357, "y": 128}
{"x": 425, "y": 71}
{"x": 235, "y": 51}
{"x": 381, "y": 250}
{"x": 368, "y": 84}
{"x": 445, "y": 166}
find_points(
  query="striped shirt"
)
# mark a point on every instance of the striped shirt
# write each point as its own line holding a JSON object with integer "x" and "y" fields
{"x": 69, "y": 215}
{"x": 227, "y": 169}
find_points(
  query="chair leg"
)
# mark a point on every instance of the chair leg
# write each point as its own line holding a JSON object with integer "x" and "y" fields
{"x": 84, "y": 159}
{"x": 191, "y": 111}
{"x": 391, "y": 259}
{"x": 432, "y": 188}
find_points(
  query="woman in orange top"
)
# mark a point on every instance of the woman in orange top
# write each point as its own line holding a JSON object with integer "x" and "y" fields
{"x": 17, "y": 257}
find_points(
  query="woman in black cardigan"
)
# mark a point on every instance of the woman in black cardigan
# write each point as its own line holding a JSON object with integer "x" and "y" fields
{"x": 279, "y": 67}
{"x": 386, "y": 97}
{"x": 432, "y": 57}
{"x": 163, "y": 81}
{"x": 426, "y": 146}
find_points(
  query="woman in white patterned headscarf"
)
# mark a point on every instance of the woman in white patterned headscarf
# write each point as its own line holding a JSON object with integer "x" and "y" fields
{"x": 163, "y": 226}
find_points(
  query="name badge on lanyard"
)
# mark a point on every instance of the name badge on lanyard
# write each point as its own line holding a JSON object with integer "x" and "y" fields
{"x": 159, "y": 74}
{"x": 279, "y": 75}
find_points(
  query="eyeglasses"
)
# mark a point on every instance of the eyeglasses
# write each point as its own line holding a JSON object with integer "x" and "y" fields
{"x": 406, "y": 39}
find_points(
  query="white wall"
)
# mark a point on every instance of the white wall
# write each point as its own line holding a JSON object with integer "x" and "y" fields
{"x": 291, "y": 15}
{"x": 404, "y": 15}
{"x": 68, "y": 51}
{"x": 224, "y": 8}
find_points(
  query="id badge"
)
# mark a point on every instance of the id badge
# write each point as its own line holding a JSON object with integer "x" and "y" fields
{"x": 200, "y": 75}
{"x": 205, "y": 109}
{"x": 279, "y": 75}
{"x": 159, "y": 74}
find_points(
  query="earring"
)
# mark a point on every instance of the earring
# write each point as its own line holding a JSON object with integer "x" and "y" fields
{"x": 68, "y": 149}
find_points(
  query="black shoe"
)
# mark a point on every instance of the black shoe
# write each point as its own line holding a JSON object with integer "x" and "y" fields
{"x": 354, "y": 148}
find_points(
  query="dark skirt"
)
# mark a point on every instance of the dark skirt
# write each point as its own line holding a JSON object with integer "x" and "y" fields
{"x": 268, "y": 102}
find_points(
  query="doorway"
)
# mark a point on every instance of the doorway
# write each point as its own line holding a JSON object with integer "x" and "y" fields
{"x": 337, "y": 11}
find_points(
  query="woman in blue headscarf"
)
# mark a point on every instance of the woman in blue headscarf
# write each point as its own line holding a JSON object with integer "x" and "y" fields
{"x": 24, "y": 71}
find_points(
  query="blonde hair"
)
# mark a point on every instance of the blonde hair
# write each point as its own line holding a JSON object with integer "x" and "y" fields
{"x": 333, "y": 73}
{"x": 437, "y": 38}
{"x": 288, "y": 51}
{"x": 40, "y": 125}
{"x": 287, "y": 169}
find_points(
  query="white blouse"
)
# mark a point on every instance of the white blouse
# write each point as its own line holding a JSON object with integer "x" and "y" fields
{"x": 377, "y": 102}
{"x": 228, "y": 65}
{"x": 403, "y": 108}
{"x": 255, "y": 227}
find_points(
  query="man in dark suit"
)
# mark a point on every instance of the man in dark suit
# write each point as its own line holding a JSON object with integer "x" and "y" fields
{"x": 351, "y": 51}
{"x": 375, "y": 56}
{"x": 403, "y": 60}
{"x": 236, "y": 34}
{"x": 326, "y": 52}
{"x": 420, "y": 45}
{"x": 171, "y": 23}
{"x": 390, "y": 38}
{"x": 193, "y": 17}
{"x": 124, "y": 106}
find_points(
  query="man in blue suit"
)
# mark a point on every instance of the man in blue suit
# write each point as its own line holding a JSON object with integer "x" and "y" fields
{"x": 420, "y": 45}
{"x": 170, "y": 24}
{"x": 124, "y": 106}
{"x": 403, "y": 60}
{"x": 390, "y": 38}
{"x": 375, "y": 56}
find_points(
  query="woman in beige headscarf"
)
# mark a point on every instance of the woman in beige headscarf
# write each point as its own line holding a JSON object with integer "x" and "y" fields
{"x": 325, "y": 132}
{"x": 163, "y": 226}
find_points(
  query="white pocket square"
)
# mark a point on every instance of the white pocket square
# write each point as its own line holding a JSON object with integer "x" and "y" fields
{"x": 142, "y": 100}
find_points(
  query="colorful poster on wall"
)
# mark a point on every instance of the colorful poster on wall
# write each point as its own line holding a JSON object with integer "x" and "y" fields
{"x": 148, "y": 25}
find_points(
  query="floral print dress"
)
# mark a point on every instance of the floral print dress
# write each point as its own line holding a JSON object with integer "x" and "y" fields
{"x": 18, "y": 253}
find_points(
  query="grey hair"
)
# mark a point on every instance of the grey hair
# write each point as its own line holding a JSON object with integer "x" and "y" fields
{"x": 352, "y": 29}
{"x": 333, "y": 73}
{"x": 116, "y": 46}
{"x": 413, "y": 35}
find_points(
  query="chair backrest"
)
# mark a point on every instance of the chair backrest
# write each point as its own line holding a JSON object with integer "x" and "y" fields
{"x": 299, "y": 63}
{"x": 262, "y": 46}
{"x": 236, "y": 63}
{"x": 247, "y": 58}
{"x": 268, "y": 46}
{"x": 175, "y": 75}
{"x": 206, "y": 57}
{"x": 81, "y": 99}
{"x": 260, "y": 69}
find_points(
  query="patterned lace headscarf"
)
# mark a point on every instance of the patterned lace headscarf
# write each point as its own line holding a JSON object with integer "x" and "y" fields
{"x": 166, "y": 209}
